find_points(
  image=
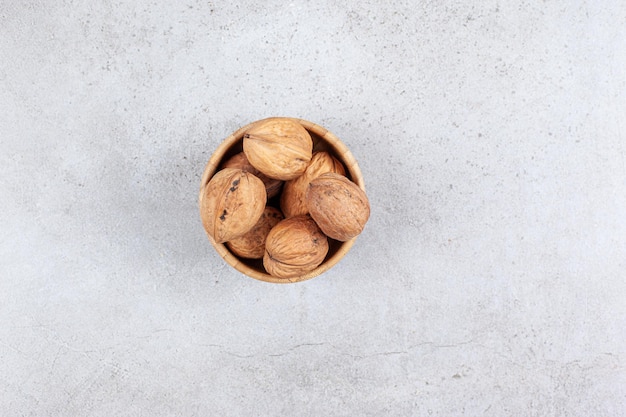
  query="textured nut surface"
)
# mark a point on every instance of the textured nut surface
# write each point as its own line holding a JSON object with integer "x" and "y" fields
{"x": 272, "y": 186}
{"x": 231, "y": 204}
{"x": 338, "y": 206}
{"x": 292, "y": 199}
{"x": 294, "y": 247}
{"x": 278, "y": 147}
{"x": 252, "y": 244}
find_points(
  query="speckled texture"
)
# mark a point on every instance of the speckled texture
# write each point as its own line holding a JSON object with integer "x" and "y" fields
{"x": 489, "y": 280}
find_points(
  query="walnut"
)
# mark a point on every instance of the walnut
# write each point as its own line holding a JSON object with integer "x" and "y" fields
{"x": 338, "y": 206}
{"x": 240, "y": 161}
{"x": 231, "y": 204}
{"x": 252, "y": 244}
{"x": 294, "y": 247}
{"x": 292, "y": 201}
{"x": 279, "y": 147}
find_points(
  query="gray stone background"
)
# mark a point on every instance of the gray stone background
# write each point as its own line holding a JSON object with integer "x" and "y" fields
{"x": 489, "y": 281}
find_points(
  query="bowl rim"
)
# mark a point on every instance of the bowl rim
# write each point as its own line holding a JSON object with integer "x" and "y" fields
{"x": 339, "y": 149}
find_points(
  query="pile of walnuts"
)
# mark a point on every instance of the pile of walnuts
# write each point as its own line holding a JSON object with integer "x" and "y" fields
{"x": 317, "y": 201}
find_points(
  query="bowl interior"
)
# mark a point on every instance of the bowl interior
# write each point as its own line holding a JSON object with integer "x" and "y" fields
{"x": 322, "y": 141}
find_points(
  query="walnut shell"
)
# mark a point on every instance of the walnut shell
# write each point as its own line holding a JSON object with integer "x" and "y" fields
{"x": 278, "y": 147}
{"x": 252, "y": 244}
{"x": 231, "y": 204}
{"x": 240, "y": 161}
{"x": 294, "y": 247}
{"x": 292, "y": 201}
{"x": 338, "y": 206}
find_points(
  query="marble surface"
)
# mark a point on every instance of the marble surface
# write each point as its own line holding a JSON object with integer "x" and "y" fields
{"x": 489, "y": 281}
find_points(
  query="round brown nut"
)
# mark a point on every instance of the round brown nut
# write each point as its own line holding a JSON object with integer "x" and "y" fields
{"x": 231, "y": 204}
{"x": 240, "y": 161}
{"x": 338, "y": 206}
{"x": 292, "y": 201}
{"x": 279, "y": 147}
{"x": 294, "y": 247}
{"x": 252, "y": 244}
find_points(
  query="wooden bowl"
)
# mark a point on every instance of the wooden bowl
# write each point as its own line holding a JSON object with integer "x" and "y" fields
{"x": 323, "y": 140}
